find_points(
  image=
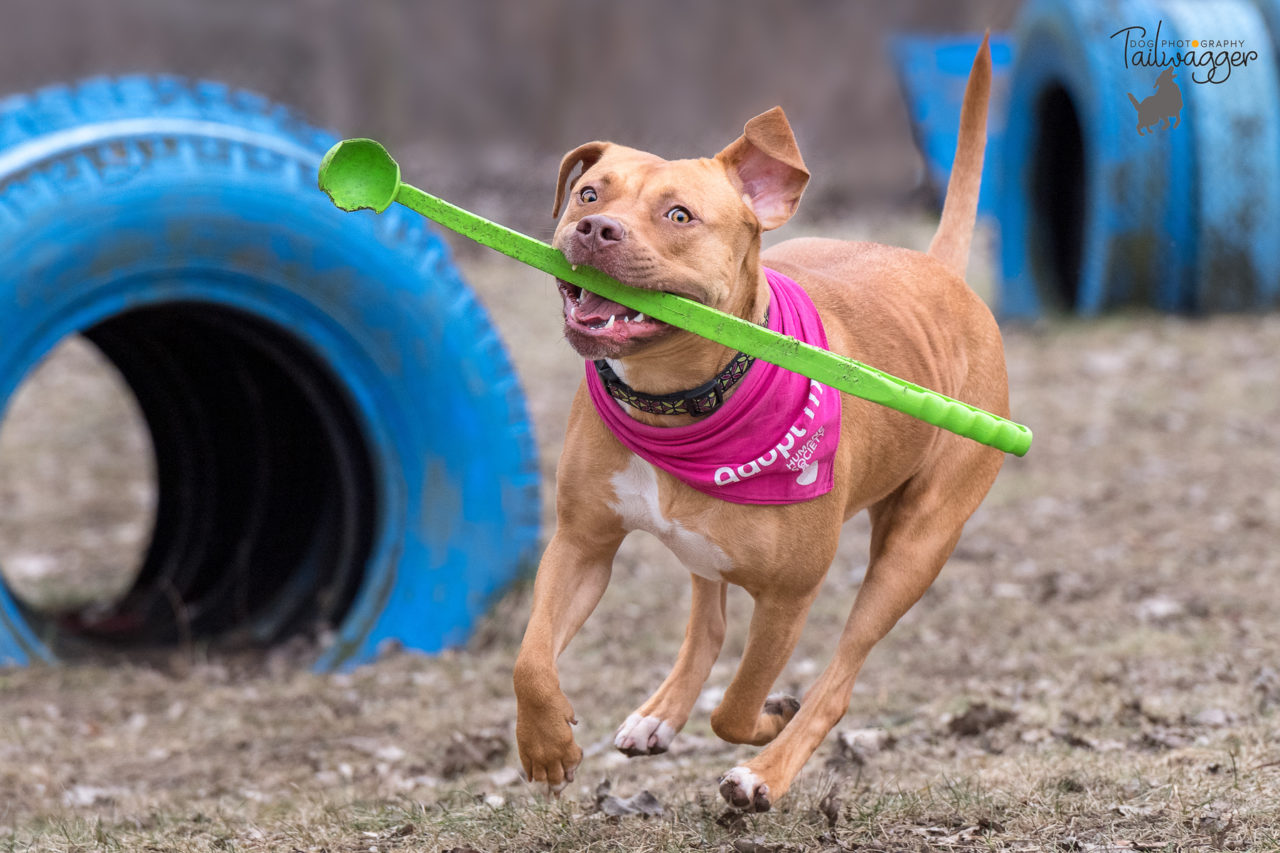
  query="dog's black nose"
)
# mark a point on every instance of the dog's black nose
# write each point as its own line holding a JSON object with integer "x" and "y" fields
{"x": 598, "y": 231}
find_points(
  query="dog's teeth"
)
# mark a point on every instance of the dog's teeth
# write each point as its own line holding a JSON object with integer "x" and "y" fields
{"x": 639, "y": 318}
{"x": 573, "y": 267}
{"x": 609, "y": 323}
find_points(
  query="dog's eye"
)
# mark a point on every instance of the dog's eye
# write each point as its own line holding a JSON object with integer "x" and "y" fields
{"x": 679, "y": 215}
{"x": 587, "y": 195}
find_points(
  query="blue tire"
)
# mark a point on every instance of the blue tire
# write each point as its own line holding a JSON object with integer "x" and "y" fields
{"x": 341, "y": 443}
{"x": 1095, "y": 216}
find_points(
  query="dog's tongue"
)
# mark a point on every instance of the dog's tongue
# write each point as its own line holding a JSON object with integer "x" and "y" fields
{"x": 593, "y": 306}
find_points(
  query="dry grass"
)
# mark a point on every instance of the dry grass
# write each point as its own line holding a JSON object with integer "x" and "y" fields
{"x": 1094, "y": 670}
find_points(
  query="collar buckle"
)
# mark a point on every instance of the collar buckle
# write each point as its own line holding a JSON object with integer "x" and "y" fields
{"x": 706, "y": 399}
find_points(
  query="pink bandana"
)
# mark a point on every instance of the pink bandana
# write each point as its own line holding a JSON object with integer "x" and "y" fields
{"x": 772, "y": 442}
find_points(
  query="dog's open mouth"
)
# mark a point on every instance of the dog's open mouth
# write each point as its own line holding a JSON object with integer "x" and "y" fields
{"x": 590, "y": 314}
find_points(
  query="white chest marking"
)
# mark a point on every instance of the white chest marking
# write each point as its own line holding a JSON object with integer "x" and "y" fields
{"x": 636, "y": 488}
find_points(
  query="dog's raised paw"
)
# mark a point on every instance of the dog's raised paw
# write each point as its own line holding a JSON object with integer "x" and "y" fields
{"x": 743, "y": 790}
{"x": 782, "y": 704}
{"x": 644, "y": 735}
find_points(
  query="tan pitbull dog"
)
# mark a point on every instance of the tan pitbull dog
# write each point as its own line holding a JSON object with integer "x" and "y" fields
{"x": 693, "y": 227}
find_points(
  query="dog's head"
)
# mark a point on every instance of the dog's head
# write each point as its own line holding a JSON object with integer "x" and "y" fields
{"x": 1166, "y": 76}
{"x": 689, "y": 227}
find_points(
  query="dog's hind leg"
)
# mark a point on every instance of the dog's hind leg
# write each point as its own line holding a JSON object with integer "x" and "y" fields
{"x": 914, "y": 531}
{"x": 651, "y": 728}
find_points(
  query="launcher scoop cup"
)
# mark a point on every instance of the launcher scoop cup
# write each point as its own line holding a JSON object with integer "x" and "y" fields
{"x": 359, "y": 174}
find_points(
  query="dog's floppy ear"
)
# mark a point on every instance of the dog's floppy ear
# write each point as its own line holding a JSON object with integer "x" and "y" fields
{"x": 588, "y": 154}
{"x": 766, "y": 165}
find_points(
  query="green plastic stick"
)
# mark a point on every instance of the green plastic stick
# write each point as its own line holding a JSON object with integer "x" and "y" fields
{"x": 360, "y": 174}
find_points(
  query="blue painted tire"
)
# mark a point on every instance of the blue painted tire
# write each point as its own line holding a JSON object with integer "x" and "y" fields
{"x": 1093, "y": 215}
{"x": 341, "y": 442}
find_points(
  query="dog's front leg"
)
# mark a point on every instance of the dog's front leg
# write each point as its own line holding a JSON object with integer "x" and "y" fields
{"x": 571, "y": 579}
{"x": 651, "y": 728}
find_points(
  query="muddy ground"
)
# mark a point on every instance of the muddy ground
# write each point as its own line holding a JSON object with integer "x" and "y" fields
{"x": 1095, "y": 669}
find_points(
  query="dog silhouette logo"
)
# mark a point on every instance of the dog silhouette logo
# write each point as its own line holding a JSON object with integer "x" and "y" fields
{"x": 1165, "y": 105}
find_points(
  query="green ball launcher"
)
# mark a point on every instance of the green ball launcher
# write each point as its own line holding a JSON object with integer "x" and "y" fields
{"x": 359, "y": 174}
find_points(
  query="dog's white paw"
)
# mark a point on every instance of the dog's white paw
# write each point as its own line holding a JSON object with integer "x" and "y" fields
{"x": 743, "y": 790}
{"x": 644, "y": 735}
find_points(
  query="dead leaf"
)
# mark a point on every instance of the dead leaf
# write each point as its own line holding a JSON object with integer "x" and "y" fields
{"x": 1072, "y": 739}
{"x": 1163, "y": 738}
{"x": 945, "y": 836}
{"x": 1267, "y": 685}
{"x": 90, "y": 795}
{"x": 1214, "y": 718}
{"x": 858, "y": 745}
{"x": 1147, "y": 810}
{"x": 978, "y": 718}
{"x": 829, "y": 806}
{"x": 747, "y": 845}
{"x": 644, "y": 804}
{"x": 1160, "y": 609}
{"x": 469, "y": 752}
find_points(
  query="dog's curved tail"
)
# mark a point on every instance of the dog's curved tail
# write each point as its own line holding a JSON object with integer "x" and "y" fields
{"x": 1133, "y": 101}
{"x": 955, "y": 232}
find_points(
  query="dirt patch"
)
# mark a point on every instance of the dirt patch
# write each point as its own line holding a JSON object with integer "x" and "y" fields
{"x": 1112, "y": 602}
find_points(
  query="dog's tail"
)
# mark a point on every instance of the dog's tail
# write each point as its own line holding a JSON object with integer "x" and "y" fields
{"x": 1133, "y": 101}
{"x": 951, "y": 243}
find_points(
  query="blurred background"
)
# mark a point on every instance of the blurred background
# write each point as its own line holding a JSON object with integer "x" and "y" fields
{"x": 478, "y": 101}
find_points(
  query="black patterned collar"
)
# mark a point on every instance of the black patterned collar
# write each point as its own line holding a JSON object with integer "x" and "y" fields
{"x": 698, "y": 402}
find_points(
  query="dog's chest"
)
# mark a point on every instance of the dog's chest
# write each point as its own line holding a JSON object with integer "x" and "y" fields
{"x": 636, "y": 501}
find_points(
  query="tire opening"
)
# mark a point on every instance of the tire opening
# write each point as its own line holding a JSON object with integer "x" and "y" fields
{"x": 265, "y": 497}
{"x": 77, "y": 483}
{"x": 1057, "y": 203}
